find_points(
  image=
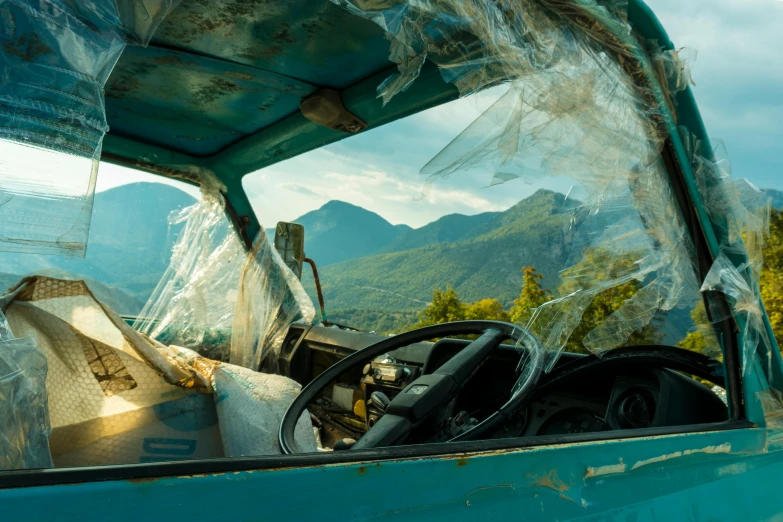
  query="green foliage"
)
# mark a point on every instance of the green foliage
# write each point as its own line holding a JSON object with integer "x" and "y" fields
{"x": 447, "y": 307}
{"x": 703, "y": 339}
{"x": 772, "y": 275}
{"x": 444, "y": 308}
{"x": 696, "y": 341}
{"x": 486, "y": 309}
{"x": 532, "y": 296}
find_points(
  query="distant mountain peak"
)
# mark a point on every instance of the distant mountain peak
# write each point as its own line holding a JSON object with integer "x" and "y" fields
{"x": 145, "y": 187}
{"x": 541, "y": 195}
{"x": 336, "y": 204}
{"x": 338, "y": 231}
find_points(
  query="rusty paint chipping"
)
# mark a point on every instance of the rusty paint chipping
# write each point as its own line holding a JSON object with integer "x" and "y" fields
{"x": 552, "y": 481}
{"x": 723, "y": 448}
{"x": 621, "y": 467}
{"x": 609, "y": 469}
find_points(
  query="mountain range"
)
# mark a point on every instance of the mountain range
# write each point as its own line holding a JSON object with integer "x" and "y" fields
{"x": 480, "y": 256}
{"x": 367, "y": 265}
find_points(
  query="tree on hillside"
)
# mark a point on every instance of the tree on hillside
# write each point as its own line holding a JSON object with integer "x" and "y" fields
{"x": 532, "y": 296}
{"x": 444, "y": 308}
{"x": 486, "y": 309}
{"x": 447, "y": 307}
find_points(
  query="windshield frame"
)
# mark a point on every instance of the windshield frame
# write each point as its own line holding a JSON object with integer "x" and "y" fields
{"x": 296, "y": 135}
{"x": 428, "y": 91}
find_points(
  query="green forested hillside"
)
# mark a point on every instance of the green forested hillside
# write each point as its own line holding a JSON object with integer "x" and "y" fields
{"x": 381, "y": 276}
{"x": 338, "y": 231}
{"x": 485, "y": 265}
{"x": 452, "y": 227}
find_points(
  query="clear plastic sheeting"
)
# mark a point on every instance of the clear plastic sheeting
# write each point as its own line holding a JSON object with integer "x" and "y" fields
{"x": 739, "y": 213}
{"x": 45, "y": 200}
{"x": 118, "y": 397}
{"x": 196, "y": 297}
{"x": 55, "y": 59}
{"x": 213, "y": 285}
{"x": 24, "y": 414}
{"x": 579, "y": 106}
{"x": 269, "y": 298}
{"x": 739, "y": 284}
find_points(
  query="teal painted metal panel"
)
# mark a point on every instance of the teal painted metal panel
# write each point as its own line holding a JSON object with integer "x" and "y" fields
{"x": 219, "y": 71}
{"x": 195, "y": 104}
{"x": 701, "y": 476}
{"x": 314, "y": 41}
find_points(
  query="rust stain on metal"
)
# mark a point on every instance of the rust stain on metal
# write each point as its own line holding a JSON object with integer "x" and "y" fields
{"x": 462, "y": 462}
{"x": 239, "y": 76}
{"x": 27, "y": 48}
{"x": 168, "y": 60}
{"x": 318, "y": 291}
{"x": 144, "y": 480}
{"x": 552, "y": 481}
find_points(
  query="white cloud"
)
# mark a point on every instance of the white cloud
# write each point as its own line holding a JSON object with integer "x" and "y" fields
{"x": 394, "y": 191}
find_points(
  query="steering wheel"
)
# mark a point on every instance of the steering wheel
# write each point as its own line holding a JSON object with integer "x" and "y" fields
{"x": 424, "y": 397}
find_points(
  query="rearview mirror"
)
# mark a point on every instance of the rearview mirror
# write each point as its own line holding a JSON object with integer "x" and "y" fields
{"x": 289, "y": 243}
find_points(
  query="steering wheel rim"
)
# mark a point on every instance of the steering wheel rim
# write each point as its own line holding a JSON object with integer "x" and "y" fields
{"x": 665, "y": 356}
{"x": 521, "y": 393}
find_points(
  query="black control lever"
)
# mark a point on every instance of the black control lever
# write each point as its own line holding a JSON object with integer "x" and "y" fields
{"x": 379, "y": 400}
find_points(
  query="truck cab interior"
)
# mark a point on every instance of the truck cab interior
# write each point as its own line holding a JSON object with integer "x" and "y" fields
{"x": 585, "y": 132}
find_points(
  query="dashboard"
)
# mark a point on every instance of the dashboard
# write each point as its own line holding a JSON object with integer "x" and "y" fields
{"x": 641, "y": 398}
{"x": 612, "y": 398}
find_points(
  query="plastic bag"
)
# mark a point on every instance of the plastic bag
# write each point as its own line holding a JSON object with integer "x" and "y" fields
{"x": 54, "y": 61}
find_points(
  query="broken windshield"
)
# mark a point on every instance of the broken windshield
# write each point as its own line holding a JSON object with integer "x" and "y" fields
{"x": 397, "y": 248}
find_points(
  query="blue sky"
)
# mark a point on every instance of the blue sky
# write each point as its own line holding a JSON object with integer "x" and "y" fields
{"x": 739, "y": 80}
{"x": 739, "y": 77}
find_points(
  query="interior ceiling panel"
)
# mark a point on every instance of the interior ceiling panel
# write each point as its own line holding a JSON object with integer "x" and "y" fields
{"x": 218, "y": 71}
{"x": 195, "y": 104}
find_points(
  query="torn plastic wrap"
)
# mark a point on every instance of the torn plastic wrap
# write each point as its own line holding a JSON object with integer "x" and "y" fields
{"x": 118, "y": 397}
{"x": 193, "y": 303}
{"x": 54, "y": 60}
{"x": 270, "y": 297}
{"x": 24, "y": 413}
{"x": 739, "y": 213}
{"x": 215, "y": 288}
{"x": 579, "y": 106}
